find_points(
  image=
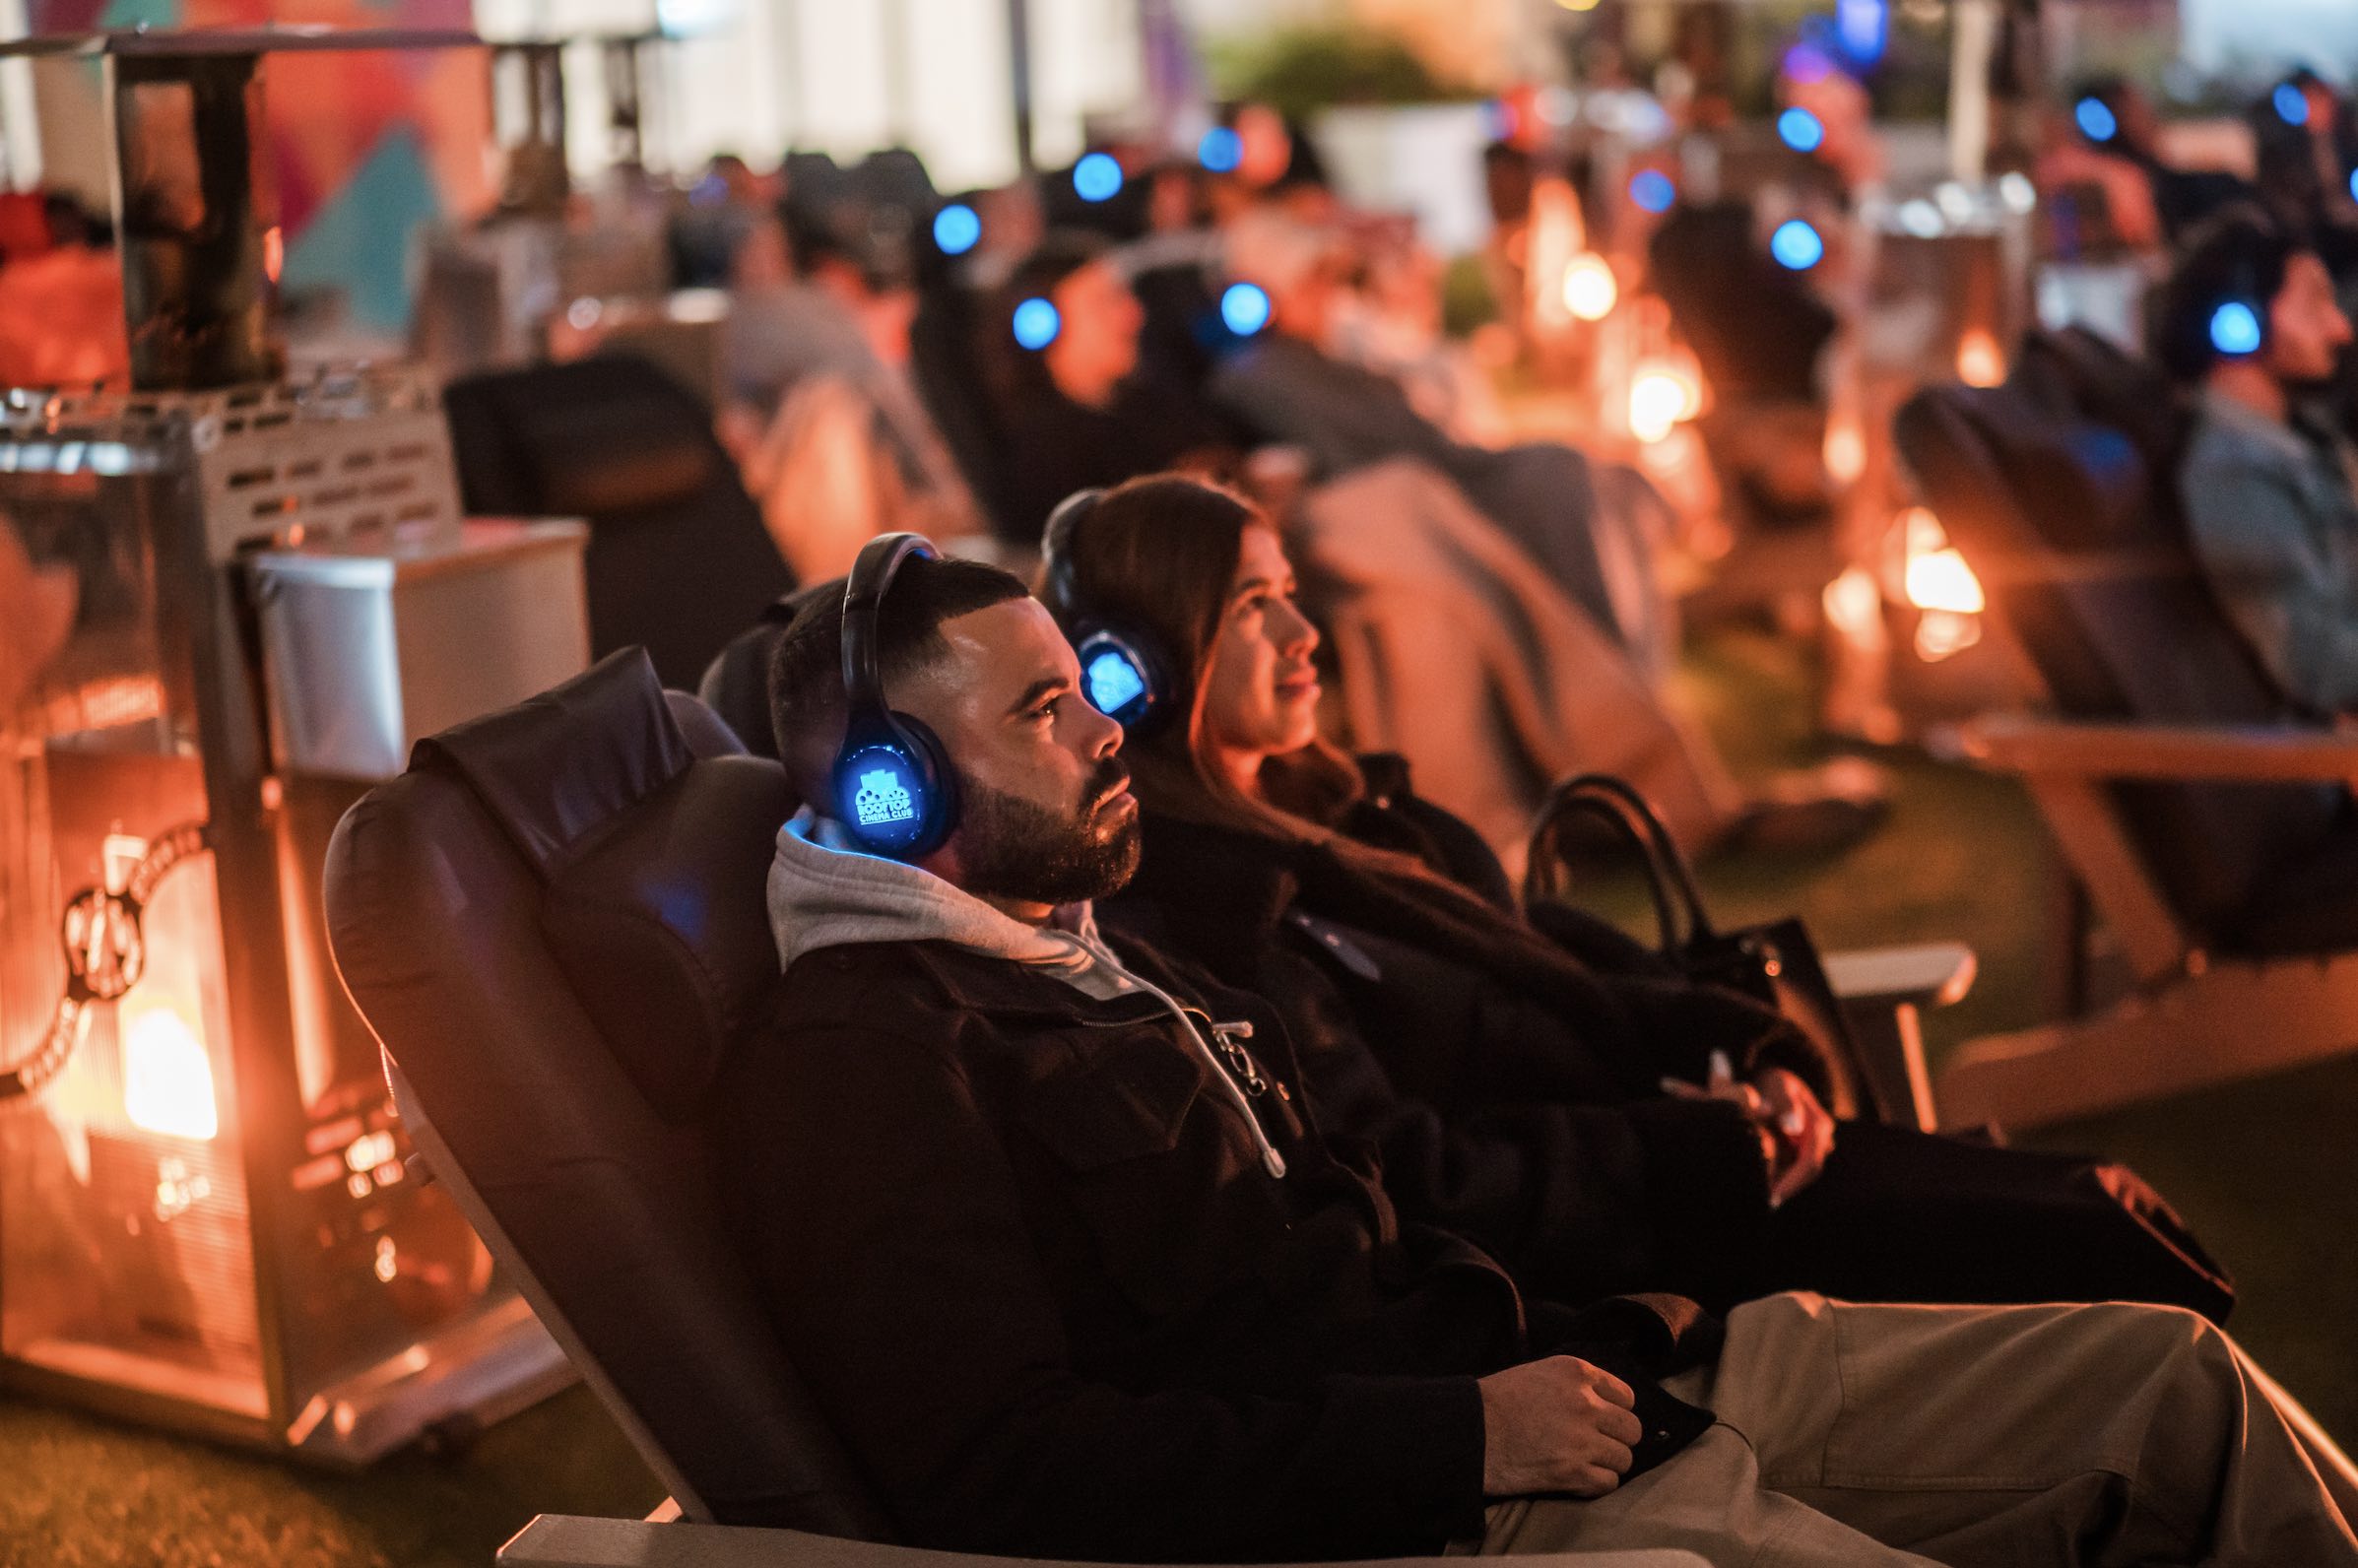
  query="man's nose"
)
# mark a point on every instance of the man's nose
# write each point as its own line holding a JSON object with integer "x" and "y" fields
{"x": 1101, "y": 737}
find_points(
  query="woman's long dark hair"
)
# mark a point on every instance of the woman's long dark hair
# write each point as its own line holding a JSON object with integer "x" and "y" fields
{"x": 1161, "y": 552}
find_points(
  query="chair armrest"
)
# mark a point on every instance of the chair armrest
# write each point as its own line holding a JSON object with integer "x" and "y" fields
{"x": 569, "y": 1540}
{"x": 1884, "y": 992}
{"x": 2271, "y": 755}
{"x": 1928, "y": 974}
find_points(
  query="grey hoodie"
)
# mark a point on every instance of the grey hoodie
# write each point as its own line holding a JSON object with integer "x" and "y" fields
{"x": 825, "y": 894}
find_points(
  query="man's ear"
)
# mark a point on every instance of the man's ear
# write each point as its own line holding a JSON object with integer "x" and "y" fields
{"x": 810, "y": 763}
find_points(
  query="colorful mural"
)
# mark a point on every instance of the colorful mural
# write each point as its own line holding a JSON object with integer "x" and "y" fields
{"x": 369, "y": 146}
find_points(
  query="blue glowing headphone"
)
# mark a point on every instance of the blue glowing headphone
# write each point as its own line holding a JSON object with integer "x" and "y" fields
{"x": 2236, "y": 323}
{"x": 1125, "y": 672}
{"x": 896, "y": 792}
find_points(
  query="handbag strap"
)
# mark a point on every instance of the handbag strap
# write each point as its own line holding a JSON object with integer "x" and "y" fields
{"x": 1669, "y": 878}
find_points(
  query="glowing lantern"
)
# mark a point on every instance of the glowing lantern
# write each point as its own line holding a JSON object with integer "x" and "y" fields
{"x": 1845, "y": 450}
{"x": 168, "y": 1079}
{"x": 1590, "y": 288}
{"x": 1980, "y": 361}
{"x": 1854, "y": 604}
{"x": 1936, "y": 576}
{"x": 1661, "y": 394}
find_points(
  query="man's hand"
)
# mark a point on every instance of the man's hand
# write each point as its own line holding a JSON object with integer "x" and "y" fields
{"x": 1558, "y": 1426}
{"x": 1797, "y": 1133}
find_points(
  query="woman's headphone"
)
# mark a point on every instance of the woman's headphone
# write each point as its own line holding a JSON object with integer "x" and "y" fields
{"x": 896, "y": 792}
{"x": 2238, "y": 323}
{"x": 1127, "y": 671}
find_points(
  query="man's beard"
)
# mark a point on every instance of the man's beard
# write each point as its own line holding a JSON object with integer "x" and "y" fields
{"x": 1011, "y": 848}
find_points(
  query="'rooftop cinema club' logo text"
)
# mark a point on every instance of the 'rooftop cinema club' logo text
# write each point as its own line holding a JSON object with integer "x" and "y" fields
{"x": 883, "y": 798}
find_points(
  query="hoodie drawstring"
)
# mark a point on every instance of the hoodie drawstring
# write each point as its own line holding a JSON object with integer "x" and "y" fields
{"x": 1273, "y": 1161}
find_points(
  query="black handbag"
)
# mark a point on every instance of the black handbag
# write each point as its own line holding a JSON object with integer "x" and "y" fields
{"x": 1776, "y": 964}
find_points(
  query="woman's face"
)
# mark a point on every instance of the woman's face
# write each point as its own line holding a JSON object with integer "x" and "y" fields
{"x": 1260, "y": 692}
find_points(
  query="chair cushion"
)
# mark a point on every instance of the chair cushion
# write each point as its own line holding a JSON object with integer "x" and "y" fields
{"x": 555, "y": 770}
{"x": 598, "y": 459}
{"x": 654, "y": 861}
{"x": 662, "y": 925}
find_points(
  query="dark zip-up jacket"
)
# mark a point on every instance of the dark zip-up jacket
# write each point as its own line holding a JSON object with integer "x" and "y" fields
{"x": 1044, "y": 1282}
{"x": 1512, "y": 1084}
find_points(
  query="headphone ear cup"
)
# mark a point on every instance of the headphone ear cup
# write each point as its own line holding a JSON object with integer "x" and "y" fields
{"x": 941, "y": 782}
{"x": 1127, "y": 674}
{"x": 895, "y": 794}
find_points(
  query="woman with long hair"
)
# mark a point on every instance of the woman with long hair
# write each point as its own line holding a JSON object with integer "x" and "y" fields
{"x": 1597, "y": 1122}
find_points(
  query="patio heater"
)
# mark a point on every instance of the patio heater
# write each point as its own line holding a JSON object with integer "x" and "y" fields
{"x": 227, "y": 602}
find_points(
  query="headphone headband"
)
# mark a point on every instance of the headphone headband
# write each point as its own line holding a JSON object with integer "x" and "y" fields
{"x": 1125, "y": 673}
{"x": 1056, "y": 548}
{"x": 878, "y": 562}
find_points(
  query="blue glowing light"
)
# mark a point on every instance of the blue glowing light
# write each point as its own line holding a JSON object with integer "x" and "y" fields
{"x": 2292, "y": 104}
{"x": 2235, "y": 328}
{"x": 1220, "y": 149}
{"x": 1114, "y": 682}
{"x": 1097, "y": 177}
{"x": 1652, "y": 189}
{"x": 1864, "y": 27}
{"x": 1800, "y": 130}
{"x": 1796, "y": 246}
{"x": 1036, "y": 323}
{"x": 883, "y": 798}
{"x": 2354, "y": 186}
{"x": 957, "y": 227}
{"x": 2096, "y": 121}
{"x": 1245, "y": 308}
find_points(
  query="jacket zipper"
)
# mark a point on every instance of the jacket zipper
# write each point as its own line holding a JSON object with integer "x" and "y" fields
{"x": 1228, "y": 1033}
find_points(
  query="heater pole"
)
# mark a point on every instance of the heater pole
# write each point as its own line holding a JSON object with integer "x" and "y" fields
{"x": 1019, "y": 70}
{"x": 196, "y": 207}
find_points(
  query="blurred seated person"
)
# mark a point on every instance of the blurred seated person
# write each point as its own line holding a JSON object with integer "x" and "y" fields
{"x": 1286, "y": 387}
{"x": 835, "y": 440}
{"x": 1391, "y": 322}
{"x": 2307, "y": 145}
{"x": 725, "y": 209}
{"x": 2109, "y": 136}
{"x": 1051, "y": 1233}
{"x": 2248, "y": 318}
{"x": 2096, "y": 172}
{"x": 1532, "y": 1088}
{"x": 1083, "y": 410}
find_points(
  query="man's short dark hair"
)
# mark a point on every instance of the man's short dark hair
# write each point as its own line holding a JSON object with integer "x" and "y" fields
{"x": 2240, "y": 253}
{"x": 805, "y": 670}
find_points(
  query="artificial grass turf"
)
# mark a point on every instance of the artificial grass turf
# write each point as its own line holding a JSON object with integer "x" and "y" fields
{"x": 88, "y": 1493}
{"x": 2266, "y": 1172}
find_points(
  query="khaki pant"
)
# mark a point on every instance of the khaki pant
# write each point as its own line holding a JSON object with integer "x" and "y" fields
{"x": 2051, "y": 1435}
